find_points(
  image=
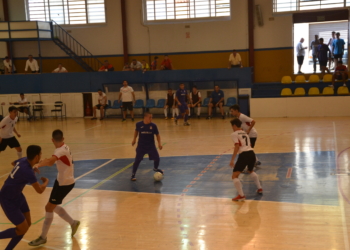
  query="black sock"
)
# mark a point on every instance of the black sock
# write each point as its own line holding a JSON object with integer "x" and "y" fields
{"x": 135, "y": 166}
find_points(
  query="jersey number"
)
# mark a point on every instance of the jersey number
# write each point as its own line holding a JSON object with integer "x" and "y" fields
{"x": 15, "y": 169}
{"x": 246, "y": 140}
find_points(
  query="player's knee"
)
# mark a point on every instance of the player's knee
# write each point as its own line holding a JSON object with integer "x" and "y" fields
{"x": 50, "y": 207}
{"x": 19, "y": 149}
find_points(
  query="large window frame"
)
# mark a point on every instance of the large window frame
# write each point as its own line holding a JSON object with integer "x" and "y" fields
{"x": 292, "y": 6}
{"x": 67, "y": 12}
{"x": 185, "y": 11}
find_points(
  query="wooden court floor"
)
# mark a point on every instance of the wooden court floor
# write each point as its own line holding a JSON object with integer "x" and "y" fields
{"x": 113, "y": 219}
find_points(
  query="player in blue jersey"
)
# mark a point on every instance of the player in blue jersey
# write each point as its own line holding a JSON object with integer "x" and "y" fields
{"x": 180, "y": 98}
{"x": 12, "y": 200}
{"x": 146, "y": 130}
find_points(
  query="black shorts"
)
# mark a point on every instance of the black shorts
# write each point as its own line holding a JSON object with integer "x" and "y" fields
{"x": 252, "y": 142}
{"x": 11, "y": 142}
{"x": 245, "y": 159}
{"x": 338, "y": 56}
{"x": 35, "y": 71}
{"x": 323, "y": 63}
{"x": 15, "y": 209}
{"x": 214, "y": 104}
{"x": 58, "y": 193}
{"x": 100, "y": 105}
{"x": 340, "y": 77}
{"x": 21, "y": 109}
{"x": 235, "y": 66}
{"x": 127, "y": 106}
{"x": 300, "y": 60}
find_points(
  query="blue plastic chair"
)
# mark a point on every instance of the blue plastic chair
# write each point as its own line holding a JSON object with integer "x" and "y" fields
{"x": 139, "y": 104}
{"x": 161, "y": 103}
{"x": 230, "y": 101}
{"x": 116, "y": 105}
{"x": 151, "y": 103}
{"x": 109, "y": 105}
{"x": 206, "y": 102}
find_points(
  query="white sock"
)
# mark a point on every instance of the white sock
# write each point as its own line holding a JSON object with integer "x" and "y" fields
{"x": 166, "y": 112}
{"x": 238, "y": 186}
{"x": 177, "y": 112}
{"x": 199, "y": 111}
{"x": 189, "y": 111}
{"x": 19, "y": 154}
{"x": 173, "y": 113}
{"x": 255, "y": 178}
{"x": 47, "y": 223}
{"x": 63, "y": 214}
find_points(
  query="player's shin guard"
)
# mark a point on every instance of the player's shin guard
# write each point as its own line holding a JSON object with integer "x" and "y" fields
{"x": 8, "y": 233}
{"x": 189, "y": 111}
{"x": 47, "y": 223}
{"x": 13, "y": 243}
{"x": 63, "y": 214}
{"x": 135, "y": 166}
{"x": 173, "y": 113}
{"x": 177, "y": 111}
{"x": 238, "y": 186}
{"x": 166, "y": 112}
{"x": 255, "y": 178}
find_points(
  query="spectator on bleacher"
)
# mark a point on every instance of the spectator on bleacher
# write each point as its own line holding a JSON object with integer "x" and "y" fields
{"x": 135, "y": 65}
{"x": 102, "y": 105}
{"x": 166, "y": 64}
{"x": 196, "y": 100}
{"x": 235, "y": 61}
{"x": 8, "y": 66}
{"x": 32, "y": 64}
{"x": 300, "y": 54}
{"x": 314, "y": 46}
{"x": 330, "y": 46}
{"x": 126, "y": 67}
{"x": 127, "y": 96}
{"x": 60, "y": 69}
{"x": 338, "y": 49}
{"x": 106, "y": 66}
{"x": 23, "y": 101}
{"x": 340, "y": 73}
{"x": 154, "y": 64}
{"x": 216, "y": 101}
{"x": 145, "y": 66}
{"x": 170, "y": 103}
{"x": 322, "y": 53}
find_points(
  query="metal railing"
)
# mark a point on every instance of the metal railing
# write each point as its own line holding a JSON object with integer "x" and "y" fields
{"x": 74, "y": 49}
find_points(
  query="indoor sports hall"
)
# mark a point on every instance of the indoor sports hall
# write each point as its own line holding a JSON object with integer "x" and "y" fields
{"x": 302, "y": 121}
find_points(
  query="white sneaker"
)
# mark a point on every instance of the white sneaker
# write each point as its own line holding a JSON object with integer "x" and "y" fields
{"x": 39, "y": 241}
{"x": 75, "y": 227}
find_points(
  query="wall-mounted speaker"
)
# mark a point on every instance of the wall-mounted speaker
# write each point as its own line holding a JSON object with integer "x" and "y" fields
{"x": 259, "y": 15}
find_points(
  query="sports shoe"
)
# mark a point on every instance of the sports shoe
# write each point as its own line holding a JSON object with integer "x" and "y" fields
{"x": 75, "y": 227}
{"x": 239, "y": 198}
{"x": 186, "y": 124}
{"x": 39, "y": 241}
{"x": 258, "y": 163}
{"x": 198, "y": 117}
{"x": 259, "y": 191}
{"x": 208, "y": 118}
{"x": 175, "y": 121}
{"x": 133, "y": 178}
{"x": 223, "y": 117}
{"x": 123, "y": 120}
{"x": 158, "y": 170}
{"x": 172, "y": 118}
{"x": 101, "y": 119}
{"x": 93, "y": 118}
{"x": 132, "y": 119}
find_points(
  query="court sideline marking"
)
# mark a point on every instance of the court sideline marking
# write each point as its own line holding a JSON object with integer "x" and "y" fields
{"x": 93, "y": 127}
{"x": 93, "y": 170}
{"x": 340, "y": 195}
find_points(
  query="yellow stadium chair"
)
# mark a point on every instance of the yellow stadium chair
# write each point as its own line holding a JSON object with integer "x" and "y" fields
{"x": 327, "y": 78}
{"x": 343, "y": 90}
{"x": 286, "y": 92}
{"x": 286, "y": 80}
{"x": 300, "y": 79}
{"x": 299, "y": 92}
{"x": 314, "y": 91}
{"x": 328, "y": 91}
{"x": 314, "y": 79}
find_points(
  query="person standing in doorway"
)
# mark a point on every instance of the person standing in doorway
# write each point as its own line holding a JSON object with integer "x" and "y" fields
{"x": 314, "y": 47}
{"x": 300, "y": 54}
{"x": 338, "y": 49}
{"x": 330, "y": 46}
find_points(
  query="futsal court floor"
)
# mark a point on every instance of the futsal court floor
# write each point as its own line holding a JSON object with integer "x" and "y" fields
{"x": 304, "y": 174}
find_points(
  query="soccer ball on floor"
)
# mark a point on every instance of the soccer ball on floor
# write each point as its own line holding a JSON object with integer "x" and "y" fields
{"x": 158, "y": 176}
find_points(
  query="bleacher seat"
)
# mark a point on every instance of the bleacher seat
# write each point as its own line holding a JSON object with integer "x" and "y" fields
{"x": 116, "y": 105}
{"x": 286, "y": 92}
{"x": 314, "y": 91}
{"x": 299, "y": 92}
{"x": 300, "y": 79}
{"x": 286, "y": 80}
{"x": 151, "y": 103}
{"x": 206, "y": 102}
{"x": 328, "y": 91}
{"x": 139, "y": 104}
{"x": 161, "y": 103}
{"x": 343, "y": 90}
{"x": 230, "y": 101}
{"x": 327, "y": 78}
{"x": 314, "y": 79}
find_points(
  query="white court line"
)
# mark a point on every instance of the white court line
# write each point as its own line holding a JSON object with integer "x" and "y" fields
{"x": 54, "y": 248}
{"x": 92, "y": 127}
{"x": 341, "y": 200}
{"x": 101, "y": 148}
{"x": 104, "y": 164}
{"x": 4, "y": 175}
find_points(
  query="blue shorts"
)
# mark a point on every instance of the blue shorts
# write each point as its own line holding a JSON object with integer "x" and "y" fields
{"x": 152, "y": 154}
{"x": 183, "y": 107}
{"x": 14, "y": 209}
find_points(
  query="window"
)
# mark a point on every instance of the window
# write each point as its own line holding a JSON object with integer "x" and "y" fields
{"x": 301, "y": 5}
{"x": 180, "y": 10}
{"x": 67, "y": 11}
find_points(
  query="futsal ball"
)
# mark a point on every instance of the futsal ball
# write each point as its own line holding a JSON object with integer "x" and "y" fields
{"x": 158, "y": 176}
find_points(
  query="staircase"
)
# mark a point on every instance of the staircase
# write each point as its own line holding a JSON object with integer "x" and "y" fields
{"x": 74, "y": 49}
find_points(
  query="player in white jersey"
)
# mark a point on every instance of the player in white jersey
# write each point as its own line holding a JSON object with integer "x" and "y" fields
{"x": 247, "y": 125}
{"x": 246, "y": 157}
{"x": 63, "y": 185}
{"x": 7, "y": 126}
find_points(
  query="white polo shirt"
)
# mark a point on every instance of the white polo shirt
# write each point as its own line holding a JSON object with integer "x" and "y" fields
{"x": 9, "y": 65}
{"x": 126, "y": 93}
{"x": 102, "y": 99}
{"x": 7, "y": 125}
{"x": 24, "y": 100}
{"x": 64, "y": 165}
{"x": 60, "y": 70}
{"x": 235, "y": 60}
{"x": 33, "y": 65}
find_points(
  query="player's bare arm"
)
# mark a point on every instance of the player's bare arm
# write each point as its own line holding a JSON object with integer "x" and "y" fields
{"x": 251, "y": 126}
{"x": 40, "y": 188}
{"x": 235, "y": 152}
{"x": 120, "y": 96}
{"x": 133, "y": 96}
{"x": 14, "y": 130}
{"x": 47, "y": 162}
{"x": 136, "y": 133}
{"x": 159, "y": 142}
{"x": 177, "y": 100}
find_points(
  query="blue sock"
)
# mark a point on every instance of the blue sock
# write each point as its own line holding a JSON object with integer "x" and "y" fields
{"x": 14, "y": 242}
{"x": 135, "y": 166}
{"x": 186, "y": 117}
{"x": 8, "y": 233}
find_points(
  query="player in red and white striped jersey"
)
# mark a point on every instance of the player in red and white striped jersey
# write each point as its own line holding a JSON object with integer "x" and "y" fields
{"x": 246, "y": 157}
